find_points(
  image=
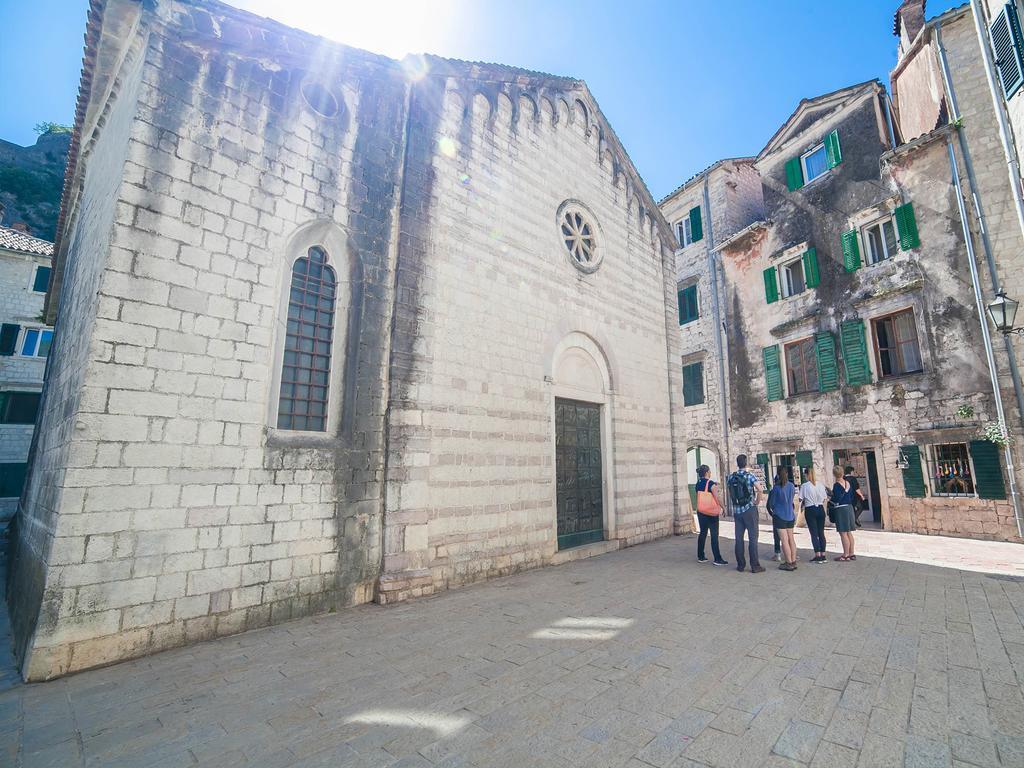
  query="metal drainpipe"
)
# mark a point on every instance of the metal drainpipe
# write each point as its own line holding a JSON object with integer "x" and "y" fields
{"x": 716, "y": 313}
{"x": 989, "y": 356}
{"x": 975, "y": 278}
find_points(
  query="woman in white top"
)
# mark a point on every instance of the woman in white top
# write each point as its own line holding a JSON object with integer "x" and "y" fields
{"x": 813, "y": 495}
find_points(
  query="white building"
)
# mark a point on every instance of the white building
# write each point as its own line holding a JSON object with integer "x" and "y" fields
{"x": 24, "y": 345}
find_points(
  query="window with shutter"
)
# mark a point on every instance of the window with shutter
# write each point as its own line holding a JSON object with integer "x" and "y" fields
{"x": 773, "y": 373}
{"x": 771, "y": 285}
{"x": 828, "y": 366}
{"x": 851, "y": 251}
{"x": 988, "y": 470}
{"x": 696, "y": 225}
{"x": 693, "y": 384}
{"x": 812, "y": 276}
{"x": 12, "y": 479}
{"x": 687, "y": 304}
{"x": 19, "y": 407}
{"x": 1005, "y": 34}
{"x": 794, "y": 174}
{"x": 833, "y": 152}
{"x": 8, "y": 338}
{"x": 906, "y": 227}
{"x": 41, "y": 279}
{"x": 855, "y": 353}
{"x": 801, "y": 367}
{"x": 913, "y": 477}
{"x": 765, "y": 463}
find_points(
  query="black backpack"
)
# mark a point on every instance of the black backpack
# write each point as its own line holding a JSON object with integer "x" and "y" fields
{"x": 739, "y": 491}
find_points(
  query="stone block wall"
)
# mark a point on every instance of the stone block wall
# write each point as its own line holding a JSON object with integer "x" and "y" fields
{"x": 183, "y": 513}
{"x": 471, "y": 489}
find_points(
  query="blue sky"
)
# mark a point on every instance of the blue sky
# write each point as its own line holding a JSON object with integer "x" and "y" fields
{"x": 683, "y": 82}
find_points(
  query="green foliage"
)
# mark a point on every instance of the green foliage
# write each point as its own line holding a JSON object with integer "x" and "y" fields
{"x": 31, "y": 187}
{"x": 48, "y": 127}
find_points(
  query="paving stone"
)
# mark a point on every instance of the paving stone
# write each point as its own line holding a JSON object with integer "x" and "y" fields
{"x": 974, "y": 750}
{"x": 831, "y": 755}
{"x": 881, "y": 752}
{"x": 799, "y": 741}
{"x": 926, "y": 753}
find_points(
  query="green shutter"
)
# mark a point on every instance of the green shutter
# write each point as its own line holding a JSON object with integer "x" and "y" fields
{"x": 771, "y": 285}
{"x": 812, "y": 277}
{"x": 804, "y": 459}
{"x": 687, "y": 298}
{"x": 8, "y": 338}
{"x": 794, "y": 174}
{"x": 12, "y": 480}
{"x": 696, "y": 225}
{"x": 913, "y": 477}
{"x": 763, "y": 460}
{"x": 833, "y": 153}
{"x": 773, "y": 373}
{"x": 1005, "y": 34}
{"x": 855, "y": 352}
{"x": 906, "y": 226}
{"x": 828, "y": 366}
{"x": 988, "y": 470}
{"x": 693, "y": 384}
{"x": 851, "y": 251}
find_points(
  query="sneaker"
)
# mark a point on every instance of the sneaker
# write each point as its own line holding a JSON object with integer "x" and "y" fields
{"x": 777, "y": 557}
{"x": 740, "y": 568}
{"x": 721, "y": 562}
{"x": 757, "y": 569}
{"x": 787, "y": 567}
{"x": 702, "y": 559}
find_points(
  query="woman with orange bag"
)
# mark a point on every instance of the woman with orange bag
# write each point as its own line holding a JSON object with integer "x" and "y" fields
{"x": 709, "y": 507}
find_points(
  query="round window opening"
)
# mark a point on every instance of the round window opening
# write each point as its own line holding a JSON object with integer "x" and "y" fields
{"x": 320, "y": 100}
{"x": 579, "y": 237}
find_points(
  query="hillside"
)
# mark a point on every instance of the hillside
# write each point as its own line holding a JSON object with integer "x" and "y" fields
{"x": 31, "y": 179}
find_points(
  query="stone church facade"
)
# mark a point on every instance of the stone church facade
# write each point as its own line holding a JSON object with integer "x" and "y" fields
{"x": 332, "y": 328}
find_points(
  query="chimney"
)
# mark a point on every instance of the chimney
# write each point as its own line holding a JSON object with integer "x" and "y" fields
{"x": 908, "y": 22}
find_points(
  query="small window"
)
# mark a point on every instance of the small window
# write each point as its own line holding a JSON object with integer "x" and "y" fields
{"x": 896, "y": 348}
{"x": 305, "y": 376}
{"x": 41, "y": 279}
{"x": 12, "y": 480}
{"x": 19, "y": 407}
{"x": 802, "y": 367}
{"x": 36, "y": 342}
{"x": 879, "y": 240}
{"x": 949, "y": 466}
{"x": 688, "y": 311}
{"x": 815, "y": 163}
{"x": 792, "y": 278}
{"x": 684, "y": 232}
{"x": 693, "y": 384}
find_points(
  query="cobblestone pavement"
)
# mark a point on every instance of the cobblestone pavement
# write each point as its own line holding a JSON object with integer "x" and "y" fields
{"x": 638, "y": 658}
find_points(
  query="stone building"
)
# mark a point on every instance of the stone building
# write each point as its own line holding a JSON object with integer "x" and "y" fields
{"x": 24, "y": 345}
{"x": 332, "y": 328}
{"x": 707, "y": 209}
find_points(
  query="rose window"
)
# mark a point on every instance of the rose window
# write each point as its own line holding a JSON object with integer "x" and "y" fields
{"x": 579, "y": 238}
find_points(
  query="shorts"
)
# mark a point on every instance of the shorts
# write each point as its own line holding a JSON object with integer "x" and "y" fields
{"x": 844, "y": 519}
{"x": 778, "y": 522}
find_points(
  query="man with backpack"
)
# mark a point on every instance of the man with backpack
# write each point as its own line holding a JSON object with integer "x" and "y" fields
{"x": 744, "y": 497}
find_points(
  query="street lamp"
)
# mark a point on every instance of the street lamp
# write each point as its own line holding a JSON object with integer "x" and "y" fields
{"x": 1002, "y": 310}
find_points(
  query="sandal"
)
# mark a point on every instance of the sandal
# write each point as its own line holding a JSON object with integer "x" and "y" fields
{"x": 841, "y": 559}
{"x": 852, "y": 557}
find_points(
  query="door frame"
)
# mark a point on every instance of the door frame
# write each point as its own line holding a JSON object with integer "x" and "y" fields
{"x": 603, "y": 401}
{"x": 880, "y": 465}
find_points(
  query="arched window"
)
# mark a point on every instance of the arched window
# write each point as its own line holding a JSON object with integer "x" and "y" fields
{"x": 305, "y": 375}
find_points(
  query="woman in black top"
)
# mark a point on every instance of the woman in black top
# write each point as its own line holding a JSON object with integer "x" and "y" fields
{"x": 708, "y": 523}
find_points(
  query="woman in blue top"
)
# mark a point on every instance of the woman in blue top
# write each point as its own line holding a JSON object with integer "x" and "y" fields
{"x": 782, "y": 504}
{"x": 843, "y": 495}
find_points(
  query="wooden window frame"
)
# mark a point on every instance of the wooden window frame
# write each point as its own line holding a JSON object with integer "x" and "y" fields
{"x": 880, "y": 374}
{"x": 809, "y": 348}
{"x": 868, "y": 256}
{"x": 684, "y": 231}
{"x": 803, "y": 162}
{"x": 786, "y": 266}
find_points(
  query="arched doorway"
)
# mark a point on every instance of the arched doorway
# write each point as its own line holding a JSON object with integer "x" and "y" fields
{"x": 695, "y": 456}
{"x": 582, "y": 403}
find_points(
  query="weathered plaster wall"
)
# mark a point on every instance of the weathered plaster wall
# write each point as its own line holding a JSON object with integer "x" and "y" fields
{"x": 931, "y": 279}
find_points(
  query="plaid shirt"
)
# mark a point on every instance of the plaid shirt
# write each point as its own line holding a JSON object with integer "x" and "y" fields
{"x": 751, "y": 481}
